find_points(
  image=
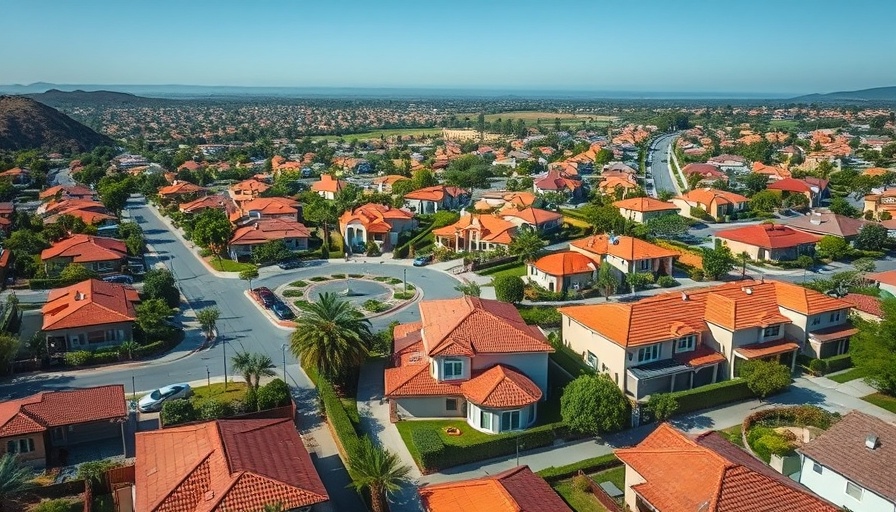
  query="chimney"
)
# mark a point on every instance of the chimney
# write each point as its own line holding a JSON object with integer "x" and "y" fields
{"x": 79, "y": 296}
{"x": 871, "y": 441}
{"x": 685, "y": 297}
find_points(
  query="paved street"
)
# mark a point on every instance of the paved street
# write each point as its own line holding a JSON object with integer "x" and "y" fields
{"x": 659, "y": 167}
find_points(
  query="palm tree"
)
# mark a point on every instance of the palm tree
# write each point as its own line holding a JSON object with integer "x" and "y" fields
{"x": 274, "y": 507}
{"x": 331, "y": 335}
{"x": 526, "y": 244}
{"x": 379, "y": 471}
{"x": 13, "y": 476}
{"x": 253, "y": 367}
{"x": 242, "y": 364}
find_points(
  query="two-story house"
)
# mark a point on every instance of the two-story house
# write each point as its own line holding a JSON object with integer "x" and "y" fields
{"x": 642, "y": 209}
{"x": 469, "y": 358}
{"x": 246, "y": 238}
{"x": 678, "y": 341}
{"x": 328, "y": 186}
{"x": 247, "y": 190}
{"x": 374, "y": 222}
{"x": 89, "y": 315}
{"x": 535, "y": 219}
{"x": 435, "y": 198}
{"x": 476, "y": 232}
{"x": 715, "y": 203}
{"x": 266, "y": 208}
{"x": 626, "y": 254}
{"x": 101, "y": 255}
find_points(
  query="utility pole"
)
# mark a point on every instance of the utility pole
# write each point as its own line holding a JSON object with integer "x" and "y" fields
{"x": 405, "y": 280}
{"x": 208, "y": 377}
{"x": 283, "y": 349}
{"x": 224, "y": 346}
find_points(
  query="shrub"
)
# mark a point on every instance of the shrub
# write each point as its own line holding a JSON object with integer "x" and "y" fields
{"x": 509, "y": 288}
{"x": 298, "y": 284}
{"x": 697, "y": 274}
{"x": 273, "y": 394}
{"x": 667, "y": 282}
{"x": 337, "y": 417}
{"x": 403, "y": 295}
{"x": 318, "y": 279}
{"x": 104, "y": 357}
{"x": 337, "y": 276}
{"x": 293, "y": 293}
{"x": 593, "y": 404}
{"x": 766, "y": 377}
{"x": 372, "y": 249}
{"x": 591, "y": 465}
{"x": 581, "y": 483}
{"x": 374, "y": 306}
{"x": 543, "y": 316}
{"x": 712, "y": 395}
{"x": 179, "y": 411}
{"x": 818, "y": 366}
{"x": 436, "y": 455}
{"x": 214, "y": 409}
{"x": 251, "y": 400}
{"x": 78, "y": 358}
{"x": 838, "y": 363}
{"x": 57, "y": 505}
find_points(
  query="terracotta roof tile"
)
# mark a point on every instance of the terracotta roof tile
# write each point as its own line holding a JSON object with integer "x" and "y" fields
{"x": 491, "y": 228}
{"x": 534, "y": 216}
{"x": 375, "y": 217}
{"x": 85, "y": 248}
{"x": 514, "y": 490}
{"x": 91, "y": 302}
{"x": 49, "y": 409}
{"x": 826, "y": 223}
{"x": 865, "y": 304}
{"x": 645, "y": 204}
{"x": 768, "y": 236}
{"x": 626, "y": 247}
{"x": 181, "y": 187}
{"x": 565, "y": 263}
{"x": 705, "y": 196}
{"x": 435, "y": 193}
{"x": 806, "y": 301}
{"x": 769, "y": 348}
{"x": 501, "y": 387}
{"x": 328, "y": 184}
{"x": 264, "y": 230}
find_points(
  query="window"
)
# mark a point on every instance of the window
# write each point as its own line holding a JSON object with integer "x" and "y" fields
{"x": 772, "y": 331}
{"x": 854, "y": 490}
{"x": 592, "y": 359}
{"x": 648, "y": 354}
{"x": 453, "y": 369}
{"x": 96, "y": 336}
{"x": 835, "y": 317}
{"x": 816, "y": 320}
{"x": 451, "y": 404}
{"x": 817, "y": 468}
{"x": 643, "y": 264}
{"x": 510, "y": 420}
{"x": 485, "y": 420}
{"x": 686, "y": 344}
{"x": 20, "y": 445}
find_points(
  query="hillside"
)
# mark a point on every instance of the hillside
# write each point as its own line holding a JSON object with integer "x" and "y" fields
{"x": 28, "y": 124}
{"x": 875, "y": 95}
{"x": 64, "y": 99}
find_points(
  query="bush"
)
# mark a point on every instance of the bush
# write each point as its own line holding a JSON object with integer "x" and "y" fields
{"x": 593, "y": 404}
{"x": 57, "y": 505}
{"x": 337, "y": 276}
{"x": 78, "y": 358}
{"x": 581, "y": 483}
{"x": 818, "y": 366}
{"x": 214, "y": 409}
{"x": 838, "y": 363}
{"x": 543, "y": 316}
{"x": 374, "y": 306}
{"x": 712, "y": 395}
{"x": 403, "y": 295}
{"x": 766, "y": 377}
{"x": 299, "y": 284}
{"x": 176, "y": 412}
{"x": 697, "y": 274}
{"x": 666, "y": 282}
{"x": 293, "y": 293}
{"x": 498, "y": 268}
{"x": 337, "y": 417}
{"x": 273, "y": 394}
{"x": 251, "y": 400}
{"x": 591, "y": 465}
{"x": 318, "y": 279}
{"x": 509, "y": 289}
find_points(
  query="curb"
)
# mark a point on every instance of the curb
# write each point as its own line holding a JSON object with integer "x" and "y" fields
{"x": 267, "y": 313}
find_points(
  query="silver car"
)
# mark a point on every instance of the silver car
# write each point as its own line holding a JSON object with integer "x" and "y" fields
{"x": 154, "y": 400}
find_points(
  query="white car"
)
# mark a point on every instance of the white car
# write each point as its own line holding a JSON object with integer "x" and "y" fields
{"x": 153, "y": 401}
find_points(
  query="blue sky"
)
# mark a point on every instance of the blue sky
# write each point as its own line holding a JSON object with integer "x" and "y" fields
{"x": 754, "y": 46}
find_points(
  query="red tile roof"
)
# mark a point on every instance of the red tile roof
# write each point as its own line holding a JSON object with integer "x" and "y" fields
{"x": 250, "y": 187}
{"x": 435, "y": 193}
{"x": 514, "y": 490}
{"x": 705, "y": 197}
{"x": 791, "y": 185}
{"x": 181, "y": 187}
{"x": 886, "y": 277}
{"x": 327, "y": 184}
{"x": 827, "y": 223}
{"x": 375, "y": 217}
{"x": 865, "y": 304}
{"x": 470, "y": 325}
{"x": 769, "y": 348}
{"x": 565, "y": 263}
{"x": 216, "y": 201}
{"x": 91, "y": 302}
{"x": 626, "y": 247}
{"x": 500, "y": 387}
{"x": 645, "y": 204}
{"x": 534, "y": 216}
{"x": 85, "y": 248}
{"x": 265, "y": 230}
{"x": 67, "y": 190}
{"x": 707, "y": 171}
{"x": 557, "y": 181}
{"x": 712, "y": 481}
{"x": 491, "y": 228}
{"x": 225, "y": 465}
{"x": 49, "y": 409}
{"x": 768, "y": 236}
{"x": 271, "y": 207}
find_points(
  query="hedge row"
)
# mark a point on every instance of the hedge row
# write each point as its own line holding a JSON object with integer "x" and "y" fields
{"x": 712, "y": 395}
{"x": 826, "y": 365}
{"x": 542, "y": 316}
{"x": 498, "y": 268}
{"x": 337, "y": 417}
{"x": 838, "y": 363}
{"x": 592, "y": 465}
{"x": 435, "y": 455}
{"x": 46, "y": 284}
{"x": 402, "y": 250}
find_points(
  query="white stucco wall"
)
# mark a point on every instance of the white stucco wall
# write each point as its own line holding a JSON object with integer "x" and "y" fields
{"x": 429, "y": 407}
{"x": 534, "y": 365}
{"x": 831, "y": 486}
{"x": 610, "y": 356}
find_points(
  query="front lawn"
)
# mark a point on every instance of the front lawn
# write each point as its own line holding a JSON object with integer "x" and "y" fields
{"x": 226, "y": 265}
{"x": 881, "y": 400}
{"x": 848, "y": 375}
{"x": 236, "y": 391}
{"x": 733, "y": 434}
{"x": 468, "y": 437}
{"x": 615, "y": 475}
{"x": 580, "y": 501}
{"x": 516, "y": 271}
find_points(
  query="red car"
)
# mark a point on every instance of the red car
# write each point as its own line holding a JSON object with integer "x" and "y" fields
{"x": 264, "y": 296}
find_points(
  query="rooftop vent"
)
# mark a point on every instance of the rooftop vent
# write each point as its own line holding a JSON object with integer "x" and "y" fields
{"x": 685, "y": 297}
{"x": 871, "y": 442}
{"x": 748, "y": 290}
{"x": 80, "y": 296}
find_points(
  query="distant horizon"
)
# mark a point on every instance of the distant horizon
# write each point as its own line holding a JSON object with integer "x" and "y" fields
{"x": 762, "y": 48}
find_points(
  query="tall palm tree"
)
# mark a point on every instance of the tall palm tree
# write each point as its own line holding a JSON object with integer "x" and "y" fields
{"x": 379, "y": 471}
{"x": 13, "y": 476}
{"x": 242, "y": 364}
{"x": 253, "y": 367}
{"x": 331, "y": 335}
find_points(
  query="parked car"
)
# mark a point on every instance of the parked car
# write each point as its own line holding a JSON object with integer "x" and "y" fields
{"x": 154, "y": 400}
{"x": 282, "y": 311}
{"x": 289, "y": 264}
{"x": 119, "y": 278}
{"x": 265, "y": 296}
{"x": 422, "y": 260}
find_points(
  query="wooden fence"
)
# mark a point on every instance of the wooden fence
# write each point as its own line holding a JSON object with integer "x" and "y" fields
{"x": 601, "y": 495}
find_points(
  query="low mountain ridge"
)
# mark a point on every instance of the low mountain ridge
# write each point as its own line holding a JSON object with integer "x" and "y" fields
{"x": 29, "y": 124}
{"x": 876, "y": 94}
{"x": 64, "y": 99}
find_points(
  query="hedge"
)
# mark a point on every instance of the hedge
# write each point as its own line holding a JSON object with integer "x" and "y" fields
{"x": 591, "y": 465}
{"x": 838, "y": 363}
{"x": 542, "y": 316}
{"x": 712, "y": 395}
{"x": 435, "y": 455}
{"x": 45, "y": 284}
{"x": 571, "y": 362}
{"x": 339, "y": 420}
{"x": 498, "y": 268}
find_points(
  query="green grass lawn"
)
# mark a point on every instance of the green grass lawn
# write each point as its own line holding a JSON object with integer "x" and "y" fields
{"x": 881, "y": 400}
{"x": 518, "y": 271}
{"x": 351, "y": 409}
{"x": 848, "y": 375}
{"x": 570, "y": 362}
{"x": 787, "y": 124}
{"x": 225, "y": 265}
{"x": 235, "y": 391}
{"x": 733, "y": 434}
{"x": 576, "y": 499}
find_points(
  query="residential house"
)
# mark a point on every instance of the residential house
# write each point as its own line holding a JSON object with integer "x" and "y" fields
{"x": 213, "y": 202}
{"x": 383, "y": 184}
{"x": 59, "y": 192}
{"x": 374, "y": 222}
{"x": 679, "y": 341}
{"x": 328, "y": 186}
{"x": 642, "y": 209}
{"x": 246, "y": 238}
{"x": 560, "y": 182}
{"x": 51, "y": 428}
{"x": 882, "y": 205}
{"x": 515, "y": 490}
{"x": 266, "y": 208}
{"x": 7, "y": 210}
{"x": 475, "y": 233}
{"x": 435, "y": 198}
{"x": 247, "y": 190}
{"x": 730, "y": 163}
{"x": 865, "y": 307}
{"x": 562, "y": 271}
{"x": 823, "y": 223}
{"x": 708, "y": 173}
{"x": 89, "y": 315}
{"x": 626, "y": 254}
{"x": 716, "y": 203}
{"x": 535, "y": 219}
{"x": 500, "y": 199}
{"x": 851, "y": 464}
{"x": 223, "y": 465}
{"x": 101, "y": 255}
{"x": 773, "y": 172}
{"x": 473, "y": 358}
{"x": 886, "y": 281}
{"x": 814, "y": 189}
{"x": 181, "y": 192}
{"x": 769, "y": 242}
{"x": 670, "y": 472}
{"x": 17, "y": 176}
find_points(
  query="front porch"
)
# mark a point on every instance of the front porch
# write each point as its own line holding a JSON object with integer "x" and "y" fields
{"x": 783, "y": 351}
{"x": 830, "y": 342}
{"x": 686, "y": 371}
{"x": 465, "y": 243}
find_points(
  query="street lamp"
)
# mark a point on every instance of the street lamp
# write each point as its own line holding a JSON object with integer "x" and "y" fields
{"x": 405, "y": 281}
{"x": 208, "y": 377}
{"x": 283, "y": 349}
{"x": 224, "y": 346}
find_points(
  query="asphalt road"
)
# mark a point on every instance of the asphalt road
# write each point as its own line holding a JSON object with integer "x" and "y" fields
{"x": 659, "y": 167}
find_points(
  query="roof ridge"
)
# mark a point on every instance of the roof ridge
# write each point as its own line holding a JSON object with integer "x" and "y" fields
{"x": 234, "y": 478}
{"x": 178, "y": 483}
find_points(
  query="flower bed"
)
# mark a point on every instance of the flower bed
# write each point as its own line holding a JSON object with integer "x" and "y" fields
{"x": 779, "y": 431}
